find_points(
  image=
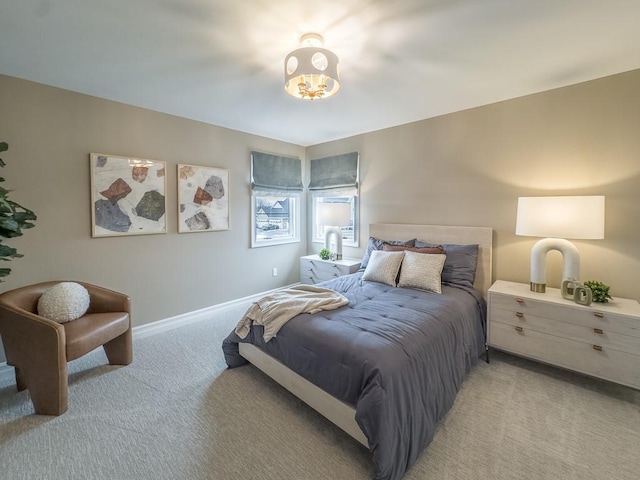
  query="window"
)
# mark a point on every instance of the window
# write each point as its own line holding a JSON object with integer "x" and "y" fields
{"x": 335, "y": 180}
{"x": 349, "y": 233}
{"x": 276, "y": 183}
{"x": 275, "y": 219}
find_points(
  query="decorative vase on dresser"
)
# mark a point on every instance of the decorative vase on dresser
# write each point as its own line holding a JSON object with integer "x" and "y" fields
{"x": 315, "y": 270}
{"x": 602, "y": 339}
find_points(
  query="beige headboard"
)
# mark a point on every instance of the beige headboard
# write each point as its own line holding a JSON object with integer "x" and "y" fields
{"x": 483, "y": 236}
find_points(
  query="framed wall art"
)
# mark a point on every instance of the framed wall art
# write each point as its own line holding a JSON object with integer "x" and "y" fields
{"x": 127, "y": 196}
{"x": 203, "y": 199}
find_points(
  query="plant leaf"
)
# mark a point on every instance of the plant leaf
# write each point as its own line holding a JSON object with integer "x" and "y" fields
{"x": 13, "y": 218}
{"x": 8, "y": 223}
{"x": 6, "y": 251}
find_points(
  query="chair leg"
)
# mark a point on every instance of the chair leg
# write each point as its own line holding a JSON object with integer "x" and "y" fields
{"x": 21, "y": 382}
{"x": 119, "y": 350}
{"x": 48, "y": 388}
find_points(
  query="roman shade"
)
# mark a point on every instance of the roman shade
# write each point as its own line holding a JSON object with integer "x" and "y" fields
{"x": 336, "y": 172}
{"x": 275, "y": 173}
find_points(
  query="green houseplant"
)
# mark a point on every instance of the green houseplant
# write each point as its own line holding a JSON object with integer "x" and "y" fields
{"x": 324, "y": 254}
{"x": 13, "y": 218}
{"x": 599, "y": 291}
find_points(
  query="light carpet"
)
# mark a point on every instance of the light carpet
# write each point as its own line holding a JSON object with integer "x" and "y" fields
{"x": 177, "y": 413}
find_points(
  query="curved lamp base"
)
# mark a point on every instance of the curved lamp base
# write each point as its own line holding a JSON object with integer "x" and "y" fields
{"x": 570, "y": 261}
{"x": 329, "y": 231}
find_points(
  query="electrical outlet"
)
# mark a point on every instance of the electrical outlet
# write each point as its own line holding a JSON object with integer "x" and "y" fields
{"x": 274, "y": 272}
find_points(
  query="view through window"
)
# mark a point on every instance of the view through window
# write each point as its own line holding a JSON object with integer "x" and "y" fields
{"x": 349, "y": 233}
{"x": 275, "y": 219}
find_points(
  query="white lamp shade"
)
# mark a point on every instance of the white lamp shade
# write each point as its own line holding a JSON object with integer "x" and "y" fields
{"x": 311, "y": 72}
{"x": 333, "y": 214}
{"x": 579, "y": 217}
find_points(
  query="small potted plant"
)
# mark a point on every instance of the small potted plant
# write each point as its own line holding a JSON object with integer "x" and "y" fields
{"x": 324, "y": 254}
{"x": 599, "y": 291}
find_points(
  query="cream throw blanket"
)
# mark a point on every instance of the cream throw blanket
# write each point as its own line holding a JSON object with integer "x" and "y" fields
{"x": 276, "y": 309}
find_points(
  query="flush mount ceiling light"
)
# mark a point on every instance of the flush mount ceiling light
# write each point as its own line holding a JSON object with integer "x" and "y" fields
{"x": 311, "y": 71}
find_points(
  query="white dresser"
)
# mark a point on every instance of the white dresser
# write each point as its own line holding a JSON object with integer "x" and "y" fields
{"x": 314, "y": 270}
{"x": 602, "y": 339}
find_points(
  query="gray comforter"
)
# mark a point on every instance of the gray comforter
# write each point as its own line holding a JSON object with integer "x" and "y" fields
{"x": 398, "y": 355}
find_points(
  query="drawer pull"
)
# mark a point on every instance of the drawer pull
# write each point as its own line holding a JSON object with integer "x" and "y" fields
{"x": 597, "y": 348}
{"x": 519, "y": 300}
{"x": 518, "y": 329}
{"x": 599, "y": 314}
{"x": 335, "y": 275}
{"x": 519, "y": 314}
{"x": 598, "y": 331}
{"x": 334, "y": 265}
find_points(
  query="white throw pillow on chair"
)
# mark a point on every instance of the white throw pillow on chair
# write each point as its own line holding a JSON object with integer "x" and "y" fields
{"x": 64, "y": 302}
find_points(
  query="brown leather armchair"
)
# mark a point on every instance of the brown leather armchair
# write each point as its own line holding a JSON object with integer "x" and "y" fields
{"x": 40, "y": 348}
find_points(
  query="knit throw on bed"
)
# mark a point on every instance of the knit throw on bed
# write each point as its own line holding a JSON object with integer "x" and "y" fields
{"x": 276, "y": 309}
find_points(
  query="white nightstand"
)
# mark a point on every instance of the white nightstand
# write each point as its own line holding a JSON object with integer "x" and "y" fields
{"x": 602, "y": 339}
{"x": 314, "y": 270}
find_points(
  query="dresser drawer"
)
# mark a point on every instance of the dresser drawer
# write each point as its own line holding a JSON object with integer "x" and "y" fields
{"x": 312, "y": 276}
{"x": 313, "y": 269}
{"x": 325, "y": 268}
{"x": 560, "y": 328}
{"x": 590, "y": 317}
{"x": 602, "y": 362}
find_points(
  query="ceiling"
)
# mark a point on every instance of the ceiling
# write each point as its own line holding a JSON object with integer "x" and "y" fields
{"x": 222, "y": 61}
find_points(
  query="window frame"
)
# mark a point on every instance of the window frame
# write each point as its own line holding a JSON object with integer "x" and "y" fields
{"x": 318, "y": 234}
{"x": 294, "y": 198}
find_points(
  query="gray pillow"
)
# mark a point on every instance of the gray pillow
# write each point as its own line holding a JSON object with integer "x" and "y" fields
{"x": 460, "y": 265}
{"x": 422, "y": 271}
{"x": 378, "y": 244}
{"x": 383, "y": 267}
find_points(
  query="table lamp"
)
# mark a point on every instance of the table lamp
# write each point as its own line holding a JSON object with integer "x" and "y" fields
{"x": 560, "y": 217}
{"x": 332, "y": 216}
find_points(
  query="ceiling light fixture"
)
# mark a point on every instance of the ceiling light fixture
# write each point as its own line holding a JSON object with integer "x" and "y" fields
{"x": 311, "y": 71}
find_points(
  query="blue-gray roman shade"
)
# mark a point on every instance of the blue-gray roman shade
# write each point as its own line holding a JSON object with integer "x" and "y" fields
{"x": 275, "y": 173}
{"x": 336, "y": 172}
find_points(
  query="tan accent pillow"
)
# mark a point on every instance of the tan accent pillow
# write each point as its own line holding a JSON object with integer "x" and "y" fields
{"x": 422, "y": 271}
{"x": 383, "y": 267}
{"x": 387, "y": 247}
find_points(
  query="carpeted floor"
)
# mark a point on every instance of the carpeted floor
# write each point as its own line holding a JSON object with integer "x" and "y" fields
{"x": 177, "y": 413}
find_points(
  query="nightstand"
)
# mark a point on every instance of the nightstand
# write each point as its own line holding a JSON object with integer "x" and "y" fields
{"x": 314, "y": 270}
{"x": 602, "y": 339}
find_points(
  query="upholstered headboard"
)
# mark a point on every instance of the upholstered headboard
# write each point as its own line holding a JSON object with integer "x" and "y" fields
{"x": 483, "y": 236}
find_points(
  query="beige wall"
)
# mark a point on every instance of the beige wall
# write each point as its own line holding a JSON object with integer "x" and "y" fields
{"x": 51, "y": 133}
{"x": 468, "y": 168}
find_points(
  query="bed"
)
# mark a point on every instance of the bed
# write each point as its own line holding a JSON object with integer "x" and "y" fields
{"x": 387, "y": 367}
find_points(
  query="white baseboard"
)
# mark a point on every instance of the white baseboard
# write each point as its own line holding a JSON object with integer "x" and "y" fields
{"x": 166, "y": 324}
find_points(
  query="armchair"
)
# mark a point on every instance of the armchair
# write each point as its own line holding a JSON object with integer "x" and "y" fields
{"x": 40, "y": 348}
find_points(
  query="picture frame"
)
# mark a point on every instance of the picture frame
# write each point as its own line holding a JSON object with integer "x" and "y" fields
{"x": 128, "y": 196}
{"x": 203, "y": 199}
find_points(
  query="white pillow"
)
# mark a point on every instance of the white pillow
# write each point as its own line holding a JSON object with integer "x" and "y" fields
{"x": 383, "y": 267}
{"x": 64, "y": 302}
{"x": 422, "y": 270}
